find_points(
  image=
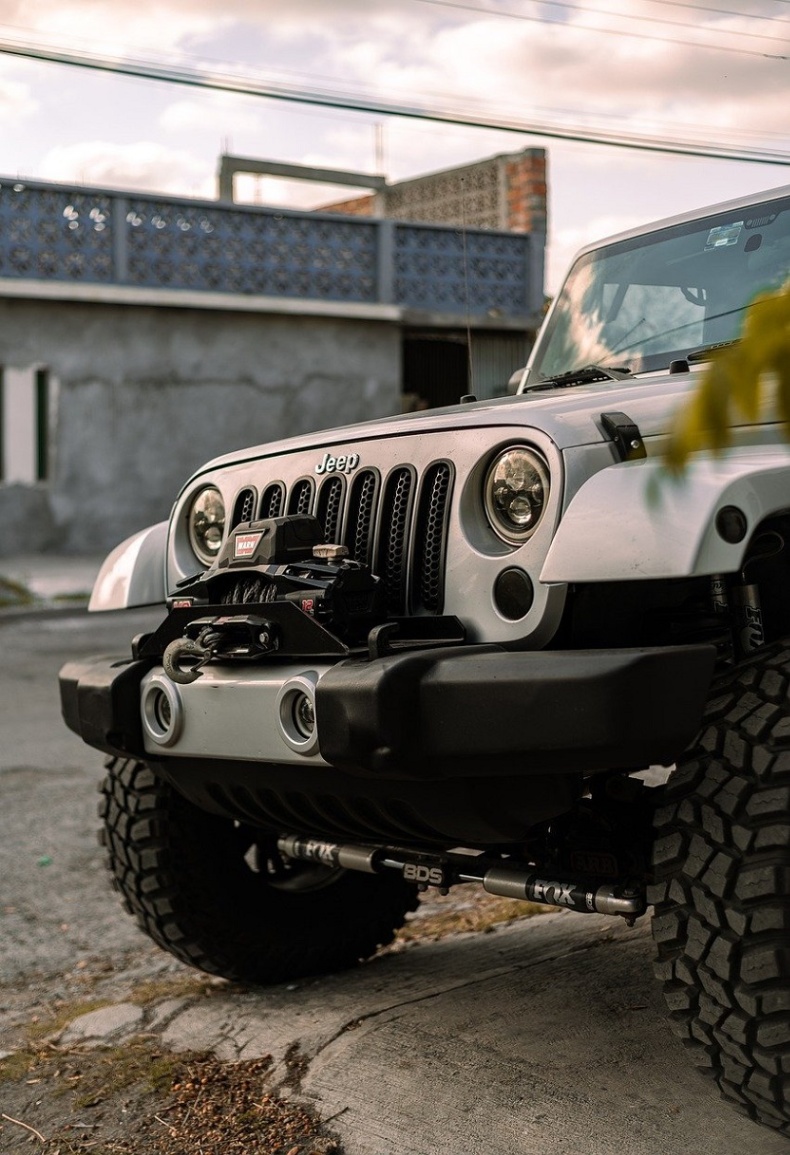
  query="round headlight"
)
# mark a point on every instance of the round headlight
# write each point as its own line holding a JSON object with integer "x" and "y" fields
{"x": 206, "y": 523}
{"x": 516, "y": 493}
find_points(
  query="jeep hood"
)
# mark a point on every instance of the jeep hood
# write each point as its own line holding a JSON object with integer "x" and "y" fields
{"x": 570, "y": 416}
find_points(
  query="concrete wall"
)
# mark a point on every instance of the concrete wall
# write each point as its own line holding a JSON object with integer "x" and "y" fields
{"x": 141, "y": 396}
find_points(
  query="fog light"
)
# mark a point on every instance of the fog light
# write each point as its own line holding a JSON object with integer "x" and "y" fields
{"x": 162, "y": 711}
{"x": 303, "y": 715}
{"x": 296, "y": 709}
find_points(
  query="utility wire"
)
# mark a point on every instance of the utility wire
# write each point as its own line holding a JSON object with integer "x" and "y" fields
{"x": 626, "y": 16}
{"x": 588, "y": 28}
{"x": 191, "y": 78}
{"x": 715, "y": 11}
{"x": 693, "y": 7}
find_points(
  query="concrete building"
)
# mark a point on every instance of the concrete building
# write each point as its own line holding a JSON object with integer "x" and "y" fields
{"x": 141, "y": 335}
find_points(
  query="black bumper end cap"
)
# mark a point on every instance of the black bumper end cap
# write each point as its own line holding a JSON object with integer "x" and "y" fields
{"x": 467, "y": 710}
{"x": 100, "y": 701}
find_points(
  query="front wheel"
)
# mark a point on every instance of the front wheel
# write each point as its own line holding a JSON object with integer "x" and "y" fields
{"x": 215, "y": 894}
{"x": 722, "y": 890}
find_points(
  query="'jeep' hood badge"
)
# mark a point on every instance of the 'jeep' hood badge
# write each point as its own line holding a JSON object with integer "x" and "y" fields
{"x": 345, "y": 463}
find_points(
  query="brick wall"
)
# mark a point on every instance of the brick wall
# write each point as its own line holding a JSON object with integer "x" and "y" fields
{"x": 506, "y": 192}
{"x": 355, "y": 207}
{"x": 525, "y": 182}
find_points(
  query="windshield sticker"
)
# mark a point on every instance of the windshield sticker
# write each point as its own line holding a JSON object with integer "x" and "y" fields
{"x": 723, "y": 235}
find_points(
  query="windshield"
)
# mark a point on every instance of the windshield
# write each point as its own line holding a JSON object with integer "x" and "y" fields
{"x": 639, "y": 303}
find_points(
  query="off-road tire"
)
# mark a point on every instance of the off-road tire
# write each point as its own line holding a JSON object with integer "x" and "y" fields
{"x": 182, "y": 873}
{"x": 722, "y": 890}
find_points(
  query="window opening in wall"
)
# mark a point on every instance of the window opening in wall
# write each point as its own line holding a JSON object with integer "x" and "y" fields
{"x": 2, "y": 425}
{"x": 42, "y": 424}
{"x": 436, "y": 367}
{"x": 435, "y": 371}
{"x": 25, "y": 434}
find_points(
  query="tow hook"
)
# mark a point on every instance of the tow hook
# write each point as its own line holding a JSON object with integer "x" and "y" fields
{"x": 184, "y": 659}
{"x": 224, "y": 638}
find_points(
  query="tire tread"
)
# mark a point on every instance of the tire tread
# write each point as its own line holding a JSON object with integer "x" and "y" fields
{"x": 721, "y": 890}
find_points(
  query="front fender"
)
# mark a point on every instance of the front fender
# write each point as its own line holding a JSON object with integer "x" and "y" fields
{"x": 632, "y": 521}
{"x": 134, "y": 573}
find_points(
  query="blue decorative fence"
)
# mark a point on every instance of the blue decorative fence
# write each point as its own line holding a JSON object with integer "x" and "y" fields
{"x": 55, "y": 233}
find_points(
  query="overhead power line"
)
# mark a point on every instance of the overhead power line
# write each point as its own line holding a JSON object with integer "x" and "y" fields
{"x": 718, "y": 11}
{"x": 644, "y": 19}
{"x": 276, "y": 90}
{"x": 508, "y": 14}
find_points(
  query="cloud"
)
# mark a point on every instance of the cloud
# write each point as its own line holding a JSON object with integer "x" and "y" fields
{"x": 568, "y": 69}
{"x": 570, "y": 72}
{"x": 145, "y": 166}
{"x": 16, "y": 101}
{"x": 99, "y": 26}
{"x": 211, "y": 111}
{"x": 573, "y": 74}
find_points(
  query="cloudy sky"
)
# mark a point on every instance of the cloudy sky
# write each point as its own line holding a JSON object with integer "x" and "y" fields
{"x": 712, "y": 72}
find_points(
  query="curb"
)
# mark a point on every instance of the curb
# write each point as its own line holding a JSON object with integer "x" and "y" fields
{"x": 50, "y": 609}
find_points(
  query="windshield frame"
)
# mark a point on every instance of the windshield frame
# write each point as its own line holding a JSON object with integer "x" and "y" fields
{"x": 752, "y": 210}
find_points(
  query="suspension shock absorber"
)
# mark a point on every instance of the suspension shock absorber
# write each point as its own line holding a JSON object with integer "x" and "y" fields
{"x": 748, "y": 616}
{"x": 747, "y": 609}
{"x": 719, "y": 599}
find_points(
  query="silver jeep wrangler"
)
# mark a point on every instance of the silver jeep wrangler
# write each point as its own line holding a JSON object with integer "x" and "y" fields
{"x": 449, "y": 647}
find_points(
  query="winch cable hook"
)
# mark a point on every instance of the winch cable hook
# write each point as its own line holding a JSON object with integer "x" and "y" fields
{"x": 184, "y": 658}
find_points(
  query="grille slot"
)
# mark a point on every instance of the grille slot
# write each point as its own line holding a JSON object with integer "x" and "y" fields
{"x": 361, "y": 514}
{"x": 431, "y": 538}
{"x": 300, "y": 499}
{"x": 330, "y": 508}
{"x": 244, "y": 509}
{"x": 394, "y": 524}
{"x": 273, "y": 500}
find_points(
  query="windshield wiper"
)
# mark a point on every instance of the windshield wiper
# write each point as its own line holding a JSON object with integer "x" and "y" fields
{"x": 584, "y": 375}
{"x": 704, "y": 352}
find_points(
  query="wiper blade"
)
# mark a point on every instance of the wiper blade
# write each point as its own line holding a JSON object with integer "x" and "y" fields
{"x": 584, "y": 375}
{"x": 704, "y": 352}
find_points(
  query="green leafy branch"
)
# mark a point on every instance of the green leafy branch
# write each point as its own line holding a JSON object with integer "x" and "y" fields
{"x": 737, "y": 381}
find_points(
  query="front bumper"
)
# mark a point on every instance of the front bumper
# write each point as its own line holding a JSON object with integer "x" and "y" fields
{"x": 433, "y": 714}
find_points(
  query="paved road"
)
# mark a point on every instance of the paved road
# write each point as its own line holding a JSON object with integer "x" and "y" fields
{"x": 546, "y": 1037}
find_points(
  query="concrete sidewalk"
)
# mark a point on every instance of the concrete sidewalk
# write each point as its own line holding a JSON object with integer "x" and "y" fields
{"x": 52, "y": 578}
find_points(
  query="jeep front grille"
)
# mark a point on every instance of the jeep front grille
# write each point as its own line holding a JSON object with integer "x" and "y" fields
{"x": 397, "y": 525}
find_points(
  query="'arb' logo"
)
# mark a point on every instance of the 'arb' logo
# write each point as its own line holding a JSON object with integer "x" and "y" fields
{"x": 246, "y": 544}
